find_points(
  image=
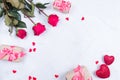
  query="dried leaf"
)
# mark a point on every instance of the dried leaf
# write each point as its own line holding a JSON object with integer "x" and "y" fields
{"x": 21, "y": 6}
{"x": 16, "y": 3}
{"x": 1, "y": 11}
{"x": 28, "y": 12}
{"x": 8, "y": 20}
{"x": 15, "y": 22}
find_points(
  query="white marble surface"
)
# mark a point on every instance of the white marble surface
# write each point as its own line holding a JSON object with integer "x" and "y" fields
{"x": 72, "y": 42}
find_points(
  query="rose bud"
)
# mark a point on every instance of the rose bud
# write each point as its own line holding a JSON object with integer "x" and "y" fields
{"x": 38, "y": 29}
{"x": 53, "y": 19}
{"x": 21, "y": 33}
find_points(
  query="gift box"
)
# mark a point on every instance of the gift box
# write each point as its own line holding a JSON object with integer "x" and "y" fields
{"x": 79, "y": 73}
{"x": 11, "y": 53}
{"x": 62, "y": 5}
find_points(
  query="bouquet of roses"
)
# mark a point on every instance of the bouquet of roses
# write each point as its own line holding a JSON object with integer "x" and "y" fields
{"x": 11, "y": 10}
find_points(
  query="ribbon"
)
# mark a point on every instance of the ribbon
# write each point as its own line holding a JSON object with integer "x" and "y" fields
{"x": 12, "y": 55}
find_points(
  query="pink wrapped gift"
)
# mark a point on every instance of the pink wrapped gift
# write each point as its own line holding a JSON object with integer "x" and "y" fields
{"x": 62, "y": 5}
{"x": 11, "y": 53}
{"x": 79, "y": 73}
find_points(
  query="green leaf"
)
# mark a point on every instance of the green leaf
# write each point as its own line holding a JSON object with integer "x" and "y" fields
{"x": 27, "y": 12}
{"x": 8, "y": 20}
{"x": 1, "y": 11}
{"x": 1, "y": 1}
{"x": 46, "y": 3}
{"x": 21, "y": 24}
{"x": 14, "y": 14}
{"x": 40, "y": 5}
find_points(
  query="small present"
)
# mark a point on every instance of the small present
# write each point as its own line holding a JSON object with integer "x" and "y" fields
{"x": 11, "y": 53}
{"x": 79, "y": 73}
{"x": 62, "y": 5}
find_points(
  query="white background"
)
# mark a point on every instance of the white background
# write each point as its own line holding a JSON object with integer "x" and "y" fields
{"x": 72, "y": 42}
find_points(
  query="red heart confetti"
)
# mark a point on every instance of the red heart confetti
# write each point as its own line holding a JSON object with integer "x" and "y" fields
{"x": 108, "y": 59}
{"x": 29, "y": 78}
{"x": 34, "y": 78}
{"x": 83, "y": 18}
{"x": 67, "y": 18}
{"x": 14, "y": 71}
{"x": 96, "y": 62}
{"x": 56, "y": 75}
{"x": 33, "y": 43}
{"x": 103, "y": 72}
{"x": 30, "y": 50}
{"x": 34, "y": 49}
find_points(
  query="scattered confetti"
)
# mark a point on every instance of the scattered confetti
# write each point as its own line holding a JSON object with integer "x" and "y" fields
{"x": 56, "y": 75}
{"x": 67, "y": 18}
{"x": 83, "y": 18}
{"x": 32, "y": 49}
{"x": 96, "y": 62}
{"x": 14, "y": 71}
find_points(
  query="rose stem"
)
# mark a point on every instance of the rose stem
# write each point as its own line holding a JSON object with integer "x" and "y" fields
{"x": 30, "y": 19}
{"x": 43, "y": 12}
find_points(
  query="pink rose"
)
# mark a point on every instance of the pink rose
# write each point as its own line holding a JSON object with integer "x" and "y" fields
{"x": 38, "y": 29}
{"x": 21, "y": 33}
{"x": 53, "y": 19}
